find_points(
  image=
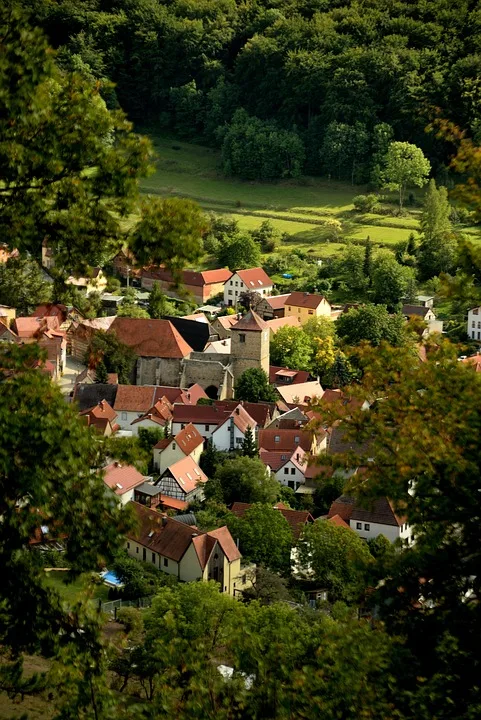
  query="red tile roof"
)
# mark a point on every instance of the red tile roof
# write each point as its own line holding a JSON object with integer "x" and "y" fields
{"x": 287, "y": 321}
{"x": 101, "y": 411}
{"x": 289, "y": 440}
{"x": 199, "y": 414}
{"x": 277, "y": 459}
{"x": 277, "y": 302}
{"x": 242, "y": 419}
{"x": 251, "y": 321}
{"x": 28, "y": 327}
{"x": 189, "y": 277}
{"x": 300, "y": 376}
{"x": 122, "y": 478}
{"x": 224, "y": 538}
{"x": 186, "y": 473}
{"x": 338, "y": 521}
{"x": 188, "y": 439}
{"x": 297, "y": 519}
{"x": 150, "y": 338}
{"x": 474, "y": 360}
{"x": 159, "y": 413}
{"x": 227, "y": 321}
{"x": 172, "y": 503}
{"x": 300, "y": 393}
{"x": 260, "y": 412}
{"x": 305, "y": 300}
{"x": 343, "y": 506}
{"x": 51, "y": 310}
{"x": 135, "y": 398}
{"x": 255, "y": 278}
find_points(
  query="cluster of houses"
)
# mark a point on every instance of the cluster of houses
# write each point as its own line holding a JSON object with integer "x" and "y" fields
{"x": 183, "y": 383}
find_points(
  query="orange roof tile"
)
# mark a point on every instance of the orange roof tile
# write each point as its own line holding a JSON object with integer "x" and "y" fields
{"x": 305, "y": 300}
{"x": 251, "y": 321}
{"x": 255, "y": 278}
{"x": 121, "y": 478}
{"x": 150, "y": 338}
{"x": 186, "y": 473}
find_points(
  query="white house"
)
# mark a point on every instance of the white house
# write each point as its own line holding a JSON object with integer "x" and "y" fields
{"x": 474, "y": 323}
{"x": 230, "y": 434}
{"x": 188, "y": 442}
{"x": 253, "y": 280}
{"x": 288, "y": 467}
{"x": 373, "y": 519}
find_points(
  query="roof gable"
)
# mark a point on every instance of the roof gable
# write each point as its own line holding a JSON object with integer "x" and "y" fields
{"x": 254, "y": 278}
{"x": 251, "y": 321}
{"x": 151, "y": 338}
{"x": 305, "y": 300}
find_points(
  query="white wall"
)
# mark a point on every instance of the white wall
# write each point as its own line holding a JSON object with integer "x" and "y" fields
{"x": 474, "y": 323}
{"x": 284, "y": 478}
{"x": 200, "y": 427}
{"x": 392, "y": 532}
{"x": 235, "y": 286}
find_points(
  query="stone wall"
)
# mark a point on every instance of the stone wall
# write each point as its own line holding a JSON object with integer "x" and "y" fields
{"x": 158, "y": 371}
{"x": 209, "y": 370}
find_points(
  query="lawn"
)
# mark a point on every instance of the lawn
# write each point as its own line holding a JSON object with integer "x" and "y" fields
{"x": 296, "y": 207}
{"x": 72, "y": 592}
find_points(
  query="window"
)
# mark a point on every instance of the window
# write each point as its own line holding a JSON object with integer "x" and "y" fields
{"x": 358, "y": 526}
{"x": 293, "y": 471}
{"x": 229, "y": 292}
{"x": 367, "y": 526}
{"x": 242, "y": 338}
{"x": 128, "y": 546}
{"x": 479, "y": 325}
{"x": 297, "y": 439}
{"x": 137, "y": 550}
{"x": 124, "y": 414}
{"x": 182, "y": 426}
{"x": 473, "y": 324}
{"x": 479, "y": 335}
{"x": 311, "y": 312}
{"x": 286, "y": 471}
{"x": 144, "y": 554}
{"x": 277, "y": 438}
{"x": 236, "y": 283}
{"x": 291, "y": 484}
{"x": 173, "y": 446}
{"x": 238, "y": 440}
{"x": 231, "y": 282}
{"x": 289, "y": 308}
{"x": 476, "y": 311}
{"x": 206, "y": 428}
{"x": 153, "y": 558}
{"x": 166, "y": 562}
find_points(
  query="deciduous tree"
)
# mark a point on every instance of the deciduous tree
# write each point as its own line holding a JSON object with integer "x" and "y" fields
{"x": 22, "y": 285}
{"x": 265, "y": 536}
{"x": 405, "y": 165}
{"x": 253, "y": 386}
{"x": 242, "y": 479}
{"x": 372, "y": 323}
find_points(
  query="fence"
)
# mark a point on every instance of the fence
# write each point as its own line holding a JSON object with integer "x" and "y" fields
{"x": 111, "y": 607}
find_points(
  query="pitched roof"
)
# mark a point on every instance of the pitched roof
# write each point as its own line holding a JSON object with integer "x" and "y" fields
{"x": 122, "y": 478}
{"x": 297, "y": 519}
{"x": 135, "y": 398}
{"x": 255, "y": 278}
{"x": 227, "y": 321}
{"x": 277, "y": 302}
{"x": 151, "y": 338}
{"x": 159, "y": 413}
{"x": 337, "y": 443}
{"x": 171, "y": 538}
{"x": 260, "y": 412}
{"x": 187, "y": 439}
{"x": 276, "y": 459}
{"x": 287, "y": 440}
{"x": 199, "y": 414}
{"x": 90, "y": 394}
{"x": 305, "y": 300}
{"x": 51, "y": 310}
{"x": 300, "y": 393}
{"x": 251, "y": 321}
{"x": 342, "y": 506}
{"x": 222, "y": 347}
{"x": 288, "y": 321}
{"x": 338, "y": 521}
{"x": 28, "y": 327}
{"x": 189, "y": 277}
{"x": 195, "y": 334}
{"x": 474, "y": 361}
{"x": 101, "y": 411}
{"x": 186, "y": 473}
{"x": 242, "y": 419}
{"x": 276, "y": 373}
{"x": 420, "y": 310}
{"x": 380, "y": 511}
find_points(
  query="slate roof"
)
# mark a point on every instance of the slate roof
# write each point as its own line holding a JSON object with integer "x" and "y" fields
{"x": 195, "y": 334}
{"x": 251, "y": 321}
{"x": 305, "y": 300}
{"x": 91, "y": 394}
{"x": 151, "y": 338}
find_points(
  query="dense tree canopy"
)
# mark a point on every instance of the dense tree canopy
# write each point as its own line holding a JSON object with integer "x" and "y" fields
{"x": 333, "y": 75}
{"x": 242, "y": 479}
{"x": 372, "y": 323}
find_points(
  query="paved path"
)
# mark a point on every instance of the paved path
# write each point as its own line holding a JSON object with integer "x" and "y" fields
{"x": 72, "y": 369}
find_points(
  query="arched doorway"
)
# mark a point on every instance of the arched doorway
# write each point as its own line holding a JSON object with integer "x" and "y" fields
{"x": 212, "y": 392}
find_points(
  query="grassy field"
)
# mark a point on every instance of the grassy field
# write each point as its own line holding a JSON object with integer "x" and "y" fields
{"x": 296, "y": 207}
{"x": 71, "y": 592}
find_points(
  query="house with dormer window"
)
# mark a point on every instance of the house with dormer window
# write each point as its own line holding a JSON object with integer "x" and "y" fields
{"x": 251, "y": 280}
{"x": 183, "y": 480}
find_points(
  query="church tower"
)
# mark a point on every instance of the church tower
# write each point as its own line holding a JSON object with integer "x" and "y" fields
{"x": 249, "y": 345}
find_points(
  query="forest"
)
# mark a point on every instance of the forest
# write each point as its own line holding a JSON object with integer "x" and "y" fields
{"x": 302, "y": 86}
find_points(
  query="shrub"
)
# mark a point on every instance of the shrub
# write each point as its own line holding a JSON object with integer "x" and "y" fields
{"x": 365, "y": 203}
